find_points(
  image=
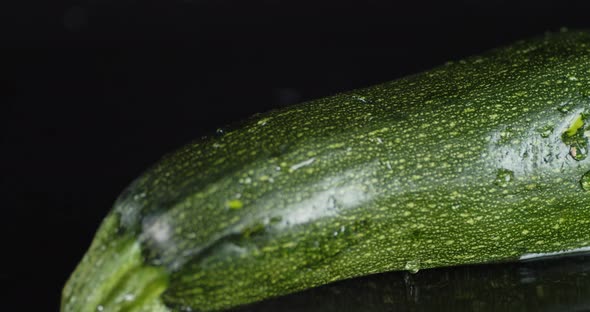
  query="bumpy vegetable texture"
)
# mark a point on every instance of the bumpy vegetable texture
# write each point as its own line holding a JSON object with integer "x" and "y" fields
{"x": 481, "y": 160}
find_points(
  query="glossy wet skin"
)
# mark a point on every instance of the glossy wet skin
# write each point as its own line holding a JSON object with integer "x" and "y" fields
{"x": 470, "y": 162}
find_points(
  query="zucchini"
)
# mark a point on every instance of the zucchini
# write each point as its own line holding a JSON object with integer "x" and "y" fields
{"x": 480, "y": 160}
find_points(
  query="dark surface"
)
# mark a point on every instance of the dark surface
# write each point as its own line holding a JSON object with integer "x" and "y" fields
{"x": 95, "y": 91}
{"x": 549, "y": 285}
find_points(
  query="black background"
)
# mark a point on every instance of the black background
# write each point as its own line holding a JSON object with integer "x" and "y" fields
{"x": 94, "y": 91}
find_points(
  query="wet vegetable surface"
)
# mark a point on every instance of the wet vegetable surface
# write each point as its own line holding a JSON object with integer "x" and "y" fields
{"x": 477, "y": 161}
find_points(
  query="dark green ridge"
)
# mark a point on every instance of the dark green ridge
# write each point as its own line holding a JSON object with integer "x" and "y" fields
{"x": 476, "y": 161}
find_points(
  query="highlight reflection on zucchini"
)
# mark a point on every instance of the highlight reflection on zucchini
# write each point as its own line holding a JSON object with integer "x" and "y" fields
{"x": 480, "y": 160}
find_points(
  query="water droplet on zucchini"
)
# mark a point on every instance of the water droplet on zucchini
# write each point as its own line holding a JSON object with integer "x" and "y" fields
{"x": 566, "y": 107}
{"x": 412, "y": 266}
{"x": 506, "y": 135}
{"x": 576, "y": 138}
{"x": 546, "y": 131}
{"x": 332, "y": 203}
{"x": 585, "y": 181}
{"x": 503, "y": 177}
{"x": 254, "y": 229}
{"x": 578, "y": 153}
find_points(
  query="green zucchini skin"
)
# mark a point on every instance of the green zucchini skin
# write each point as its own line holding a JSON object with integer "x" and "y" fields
{"x": 480, "y": 160}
